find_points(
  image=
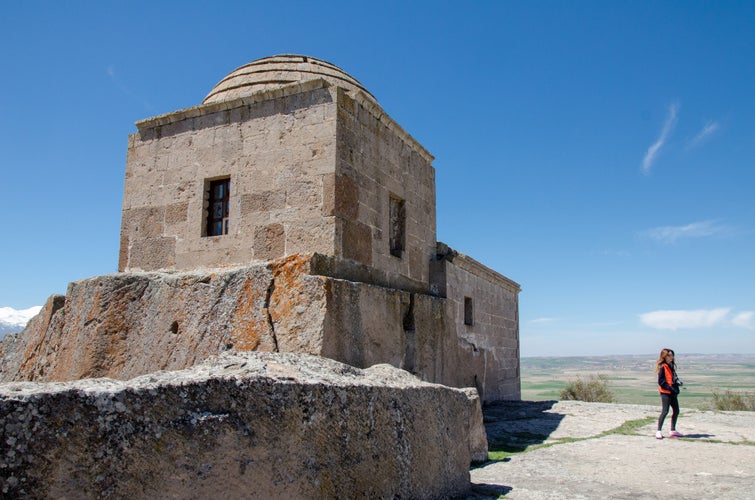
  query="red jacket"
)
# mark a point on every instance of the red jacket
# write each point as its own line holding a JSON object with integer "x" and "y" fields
{"x": 666, "y": 380}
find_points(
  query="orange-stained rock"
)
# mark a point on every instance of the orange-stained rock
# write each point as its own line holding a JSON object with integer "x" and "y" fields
{"x": 129, "y": 324}
{"x": 297, "y": 305}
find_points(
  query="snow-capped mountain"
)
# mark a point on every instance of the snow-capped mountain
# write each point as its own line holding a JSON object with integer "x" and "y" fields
{"x": 12, "y": 321}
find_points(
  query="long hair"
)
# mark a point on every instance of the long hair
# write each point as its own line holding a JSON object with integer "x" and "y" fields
{"x": 662, "y": 359}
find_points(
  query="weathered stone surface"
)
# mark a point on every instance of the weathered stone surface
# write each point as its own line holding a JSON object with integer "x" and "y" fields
{"x": 274, "y": 149}
{"x": 246, "y": 425}
{"x": 478, "y": 439}
{"x": 269, "y": 241}
{"x": 315, "y": 166}
{"x": 129, "y": 324}
{"x": 609, "y": 451}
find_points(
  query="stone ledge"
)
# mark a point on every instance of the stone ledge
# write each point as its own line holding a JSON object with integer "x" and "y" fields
{"x": 474, "y": 267}
{"x": 277, "y": 425}
{"x": 257, "y": 97}
{"x": 380, "y": 115}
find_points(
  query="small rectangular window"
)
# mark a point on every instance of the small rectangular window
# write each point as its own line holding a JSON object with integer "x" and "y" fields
{"x": 217, "y": 208}
{"x": 468, "y": 311}
{"x": 397, "y": 215}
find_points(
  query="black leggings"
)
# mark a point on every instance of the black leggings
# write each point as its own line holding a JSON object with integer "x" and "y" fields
{"x": 666, "y": 401}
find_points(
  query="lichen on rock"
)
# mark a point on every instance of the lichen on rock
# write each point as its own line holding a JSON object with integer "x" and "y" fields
{"x": 240, "y": 425}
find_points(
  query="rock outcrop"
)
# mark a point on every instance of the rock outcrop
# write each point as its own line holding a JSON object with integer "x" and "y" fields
{"x": 243, "y": 425}
{"x": 129, "y": 324}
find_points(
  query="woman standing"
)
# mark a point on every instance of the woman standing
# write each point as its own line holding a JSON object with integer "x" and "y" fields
{"x": 668, "y": 386}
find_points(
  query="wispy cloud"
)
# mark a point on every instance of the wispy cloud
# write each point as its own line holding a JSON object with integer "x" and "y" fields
{"x": 671, "y": 234}
{"x": 613, "y": 253}
{"x": 745, "y": 319}
{"x": 708, "y": 130}
{"x": 654, "y": 149}
{"x": 110, "y": 72}
{"x": 541, "y": 321}
{"x": 675, "y": 319}
{"x": 699, "y": 318}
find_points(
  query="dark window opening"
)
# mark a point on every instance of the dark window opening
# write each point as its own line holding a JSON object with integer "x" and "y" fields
{"x": 217, "y": 208}
{"x": 468, "y": 311}
{"x": 397, "y": 214}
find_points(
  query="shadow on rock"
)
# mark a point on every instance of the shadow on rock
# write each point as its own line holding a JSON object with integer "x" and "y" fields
{"x": 513, "y": 426}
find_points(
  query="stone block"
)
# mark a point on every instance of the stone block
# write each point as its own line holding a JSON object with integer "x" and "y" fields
{"x": 317, "y": 237}
{"x": 346, "y": 197}
{"x": 246, "y": 425}
{"x": 149, "y": 254}
{"x": 356, "y": 242}
{"x": 146, "y": 222}
{"x": 123, "y": 251}
{"x": 304, "y": 194}
{"x": 176, "y": 213}
{"x": 364, "y": 324}
{"x": 269, "y": 242}
{"x": 263, "y": 201}
{"x": 328, "y": 194}
{"x": 129, "y": 324}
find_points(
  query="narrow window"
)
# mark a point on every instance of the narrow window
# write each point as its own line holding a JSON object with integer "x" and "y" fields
{"x": 468, "y": 311}
{"x": 397, "y": 214}
{"x": 217, "y": 208}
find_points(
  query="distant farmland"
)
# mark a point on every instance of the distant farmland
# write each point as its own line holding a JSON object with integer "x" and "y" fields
{"x": 632, "y": 380}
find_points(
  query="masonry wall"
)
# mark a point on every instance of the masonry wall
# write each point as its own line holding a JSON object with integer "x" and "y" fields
{"x": 367, "y": 325}
{"x": 129, "y": 324}
{"x": 488, "y": 330}
{"x": 377, "y": 160}
{"x": 278, "y": 148}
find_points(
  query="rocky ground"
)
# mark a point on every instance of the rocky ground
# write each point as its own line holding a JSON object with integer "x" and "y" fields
{"x": 572, "y": 449}
{"x": 241, "y": 425}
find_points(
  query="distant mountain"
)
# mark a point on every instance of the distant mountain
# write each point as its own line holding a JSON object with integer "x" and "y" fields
{"x": 12, "y": 321}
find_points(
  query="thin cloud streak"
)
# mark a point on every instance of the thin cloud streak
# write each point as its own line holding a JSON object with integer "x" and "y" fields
{"x": 708, "y": 130}
{"x": 676, "y": 319}
{"x": 745, "y": 320}
{"x": 699, "y": 318}
{"x": 671, "y": 234}
{"x": 539, "y": 321}
{"x": 654, "y": 149}
{"x": 110, "y": 71}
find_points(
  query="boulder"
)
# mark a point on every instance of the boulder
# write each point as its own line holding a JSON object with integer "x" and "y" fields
{"x": 129, "y": 324}
{"x": 251, "y": 425}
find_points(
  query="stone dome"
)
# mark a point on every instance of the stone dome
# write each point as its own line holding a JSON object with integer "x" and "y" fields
{"x": 272, "y": 72}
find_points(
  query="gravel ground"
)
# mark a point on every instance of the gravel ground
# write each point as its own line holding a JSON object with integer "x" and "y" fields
{"x": 596, "y": 450}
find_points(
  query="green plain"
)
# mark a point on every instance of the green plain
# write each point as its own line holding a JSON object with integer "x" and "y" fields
{"x": 632, "y": 379}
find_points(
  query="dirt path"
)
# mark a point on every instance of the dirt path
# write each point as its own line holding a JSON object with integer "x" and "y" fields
{"x": 571, "y": 449}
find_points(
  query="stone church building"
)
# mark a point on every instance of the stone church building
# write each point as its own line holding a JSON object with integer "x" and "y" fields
{"x": 290, "y": 167}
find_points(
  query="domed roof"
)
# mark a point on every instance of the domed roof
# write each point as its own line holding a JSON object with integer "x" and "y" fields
{"x": 275, "y": 71}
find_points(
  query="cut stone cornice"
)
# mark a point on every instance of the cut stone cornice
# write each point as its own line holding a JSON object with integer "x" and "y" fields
{"x": 204, "y": 109}
{"x": 469, "y": 264}
{"x": 360, "y": 97}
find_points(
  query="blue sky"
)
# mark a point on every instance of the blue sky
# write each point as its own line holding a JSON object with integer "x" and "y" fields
{"x": 601, "y": 154}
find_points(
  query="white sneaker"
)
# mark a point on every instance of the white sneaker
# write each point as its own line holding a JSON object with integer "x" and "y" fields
{"x": 659, "y": 435}
{"x": 675, "y": 434}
